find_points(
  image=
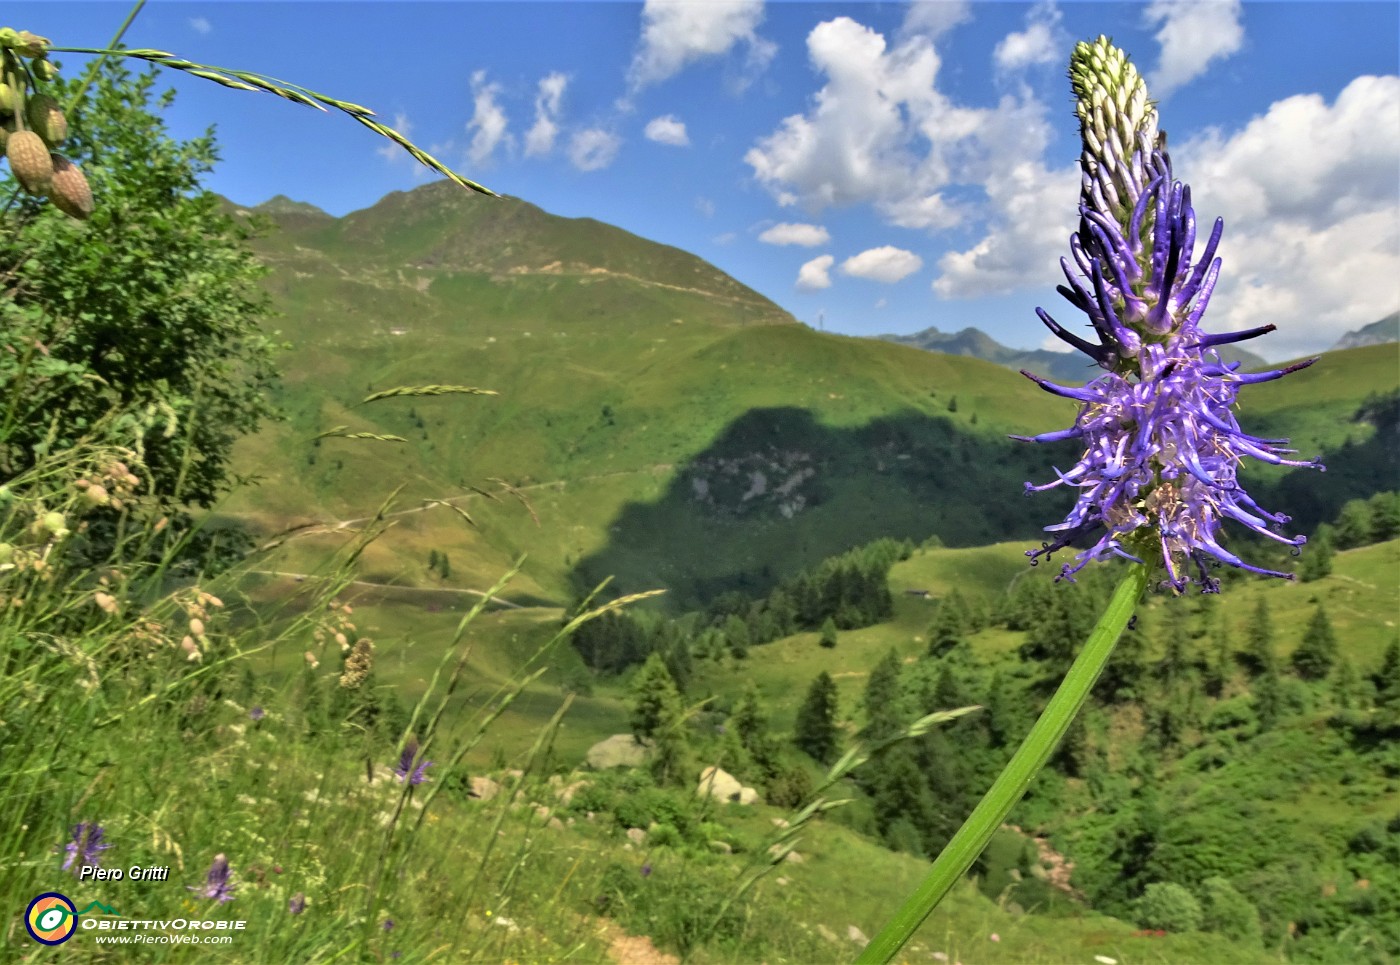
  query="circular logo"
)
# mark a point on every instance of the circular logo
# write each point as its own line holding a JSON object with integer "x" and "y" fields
{"x": 51, "y": 918}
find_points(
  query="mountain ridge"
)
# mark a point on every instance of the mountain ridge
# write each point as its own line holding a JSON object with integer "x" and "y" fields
{"x": 1064, "y": 367}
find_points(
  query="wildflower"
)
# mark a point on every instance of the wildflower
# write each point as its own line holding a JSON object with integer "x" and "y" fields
{"x": 1161, "y": 444}
{"x": 407, "y": 769}
{"x": 256, "y": 714}
{"x": 388, "y": 924}
{"x": 297, "y": 904}
{"x": 646, "y": 870}
{"x": 85, "y": 848}
{"x": 216, "y": 884}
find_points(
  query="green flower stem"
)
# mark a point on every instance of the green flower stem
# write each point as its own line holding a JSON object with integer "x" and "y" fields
{"x": 1011, "y": 784}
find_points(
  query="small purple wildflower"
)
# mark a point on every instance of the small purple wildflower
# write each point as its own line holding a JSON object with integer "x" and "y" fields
{"x": 1161, "y": 443}
{"x": 86, "y": 848}
{"x": 216, "y": 884}
{"x": 414, "y": 773}
{"x": 297, "y": 904}
{"x": 257, "y": 714}
{"x": 388, "y": 924}
{"x": 646, "y": 870}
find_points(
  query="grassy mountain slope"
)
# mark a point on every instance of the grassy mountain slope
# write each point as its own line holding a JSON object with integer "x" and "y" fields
{"x": 649, "y": 405}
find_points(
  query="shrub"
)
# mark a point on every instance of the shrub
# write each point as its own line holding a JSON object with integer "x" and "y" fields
{"x": 1227, "y": 912}
{"x": 1168, "y": 906}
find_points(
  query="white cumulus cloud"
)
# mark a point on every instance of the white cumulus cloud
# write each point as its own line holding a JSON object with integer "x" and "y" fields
{"x": 540, "y": 138}
{"x": 1310, "y": 194}
{"x": 881, "y": 133}
{"x": 1192, "y": 34}
{"x": 390, "y": 151}
{"x": 201, "y": 25}
{"x": 806, "y": 235}
{"x": 934, "y": 18}
{"x": 815, "y": 274}
{"x": 1042, "y": 42}
{"x": 593, "y": 148}
{"x": 488, "y": 124}
{"x": 676, "y": 33}
{"x": 667, "y": 129}
{"x": 886, "y": 263}
{"x": 1032, "y": 215}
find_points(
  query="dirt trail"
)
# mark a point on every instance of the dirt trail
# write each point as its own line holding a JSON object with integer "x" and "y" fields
{"x": 410, "y": 589}
{"x": 625, "y": 949}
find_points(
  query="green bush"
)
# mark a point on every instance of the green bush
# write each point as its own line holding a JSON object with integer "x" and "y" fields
{"x": 1170, "y": 907}
{"x": 1227, "y": 912}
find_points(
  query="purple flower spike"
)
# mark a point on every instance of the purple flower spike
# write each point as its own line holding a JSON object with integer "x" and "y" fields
{"x": 407, "y": 769}
{"x": 86, "y": 848}
{"x": 257, "y": 714}
{"x": 216, "y": 884}
{"x": 1161, "y": 443}
{"x": 297, "y": 904}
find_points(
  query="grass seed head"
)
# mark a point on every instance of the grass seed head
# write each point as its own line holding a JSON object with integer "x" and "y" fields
{"x": 30, "y": 161}
{"x": 69, "y": 190}
{"x": 46, "y": 119}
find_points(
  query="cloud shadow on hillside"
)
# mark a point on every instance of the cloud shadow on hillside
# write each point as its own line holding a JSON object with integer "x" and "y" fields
{"x": 778, "y": 491}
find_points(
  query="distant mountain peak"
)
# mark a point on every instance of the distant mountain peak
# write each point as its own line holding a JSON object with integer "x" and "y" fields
{"x": 281, "y": 204}
{"x": 1377, "y": 333}
{"x": 1065, "y": 367}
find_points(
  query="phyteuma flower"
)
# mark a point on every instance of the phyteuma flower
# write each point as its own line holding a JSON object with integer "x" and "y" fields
{"x": 414, "y": 773}
{"x": 85, "y": 850}
{"x": 216, "y": 884}
{"x": 1161, "y": 444}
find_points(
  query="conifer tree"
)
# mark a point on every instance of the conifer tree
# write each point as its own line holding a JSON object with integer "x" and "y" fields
{"x": 815, "y": 730}
{"x": 1172, "y": 668}
{"x": 1317, "y": 561}
{"x": 655, "y": 699}
{"x": 1259, "y": 652}
{"x": 736, "y": 635}
{"x": 1220, "y": 667}
{"x": 828, "y": 633}
{"x": 1346, "y": 685}
{"x": 1317, "y": 653}
{"x": 1388, "y": 679}
{"x": 948, "y": 628}
{"x": 882, "y": 692}
{"x": 1127, "y": 667}
{"x": 1268, "y": 697}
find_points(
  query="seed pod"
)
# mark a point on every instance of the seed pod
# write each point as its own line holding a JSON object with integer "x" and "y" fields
{"x": 9, "y": 97}
{"x": 46, "y": 119}
{"x": 29, "y": 159}
{"x": 69, "y": 189}
{"x": 45, "y": 70}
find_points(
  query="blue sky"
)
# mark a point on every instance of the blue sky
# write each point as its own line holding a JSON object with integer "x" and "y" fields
{"x": 879, "y": 167}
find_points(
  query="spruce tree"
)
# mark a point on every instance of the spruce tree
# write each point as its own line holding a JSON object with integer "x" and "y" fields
{"x": 882, "y": 692}
{"x": 655, "y": 699}
{"x": 948, "y": 628}
{"x": 1317, "y": 653}
{"x": 736, "y": 634}
{"x": 1317, "y": 559}
{"x": 1259, "y": 652}
{"x": 828, "y": 633}
{"x": 815, "y": 729}
{"x": 1387, "y": 679}
{"x": 1346, "y": 685}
